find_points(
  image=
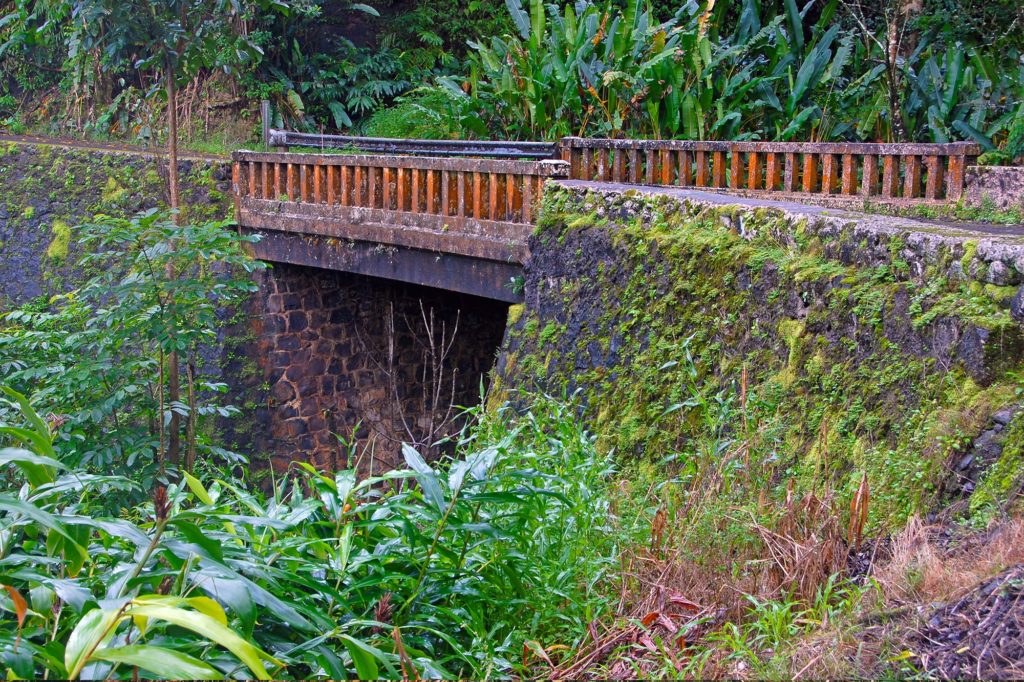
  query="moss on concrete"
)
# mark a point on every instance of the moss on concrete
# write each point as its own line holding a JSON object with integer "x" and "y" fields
{"x": 50, "y": 189}
{"x": 669, "y": 317}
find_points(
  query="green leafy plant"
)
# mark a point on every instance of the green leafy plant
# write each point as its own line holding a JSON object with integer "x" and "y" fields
{"x": 433, "y": 571}
{"x": 99, "y": 355}
{"x": 590, "y": 69}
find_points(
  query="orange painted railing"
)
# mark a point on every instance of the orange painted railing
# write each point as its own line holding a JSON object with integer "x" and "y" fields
{"x": 887, "y": 171}
{"x": 475, "y": 207}
{"x": 480, "y": 189}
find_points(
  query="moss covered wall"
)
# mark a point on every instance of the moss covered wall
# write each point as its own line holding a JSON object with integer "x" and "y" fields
{"x": 852, "y": 346}
{"x": 48, "y": 190}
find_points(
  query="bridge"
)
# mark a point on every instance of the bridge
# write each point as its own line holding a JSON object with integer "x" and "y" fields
{"x": 455, "y": 215}
{"x": 384, "y": 248}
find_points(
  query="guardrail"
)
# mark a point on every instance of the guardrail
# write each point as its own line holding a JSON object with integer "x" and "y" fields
{"x": 481, "y": 189}
{"x": 888, "y": 171}
{"x": 438, "y": 148}
{"x": 474, "y": 207}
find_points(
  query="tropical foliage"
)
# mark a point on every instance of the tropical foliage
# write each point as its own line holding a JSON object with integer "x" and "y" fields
{"x": 324, "y": 576}
{"x": 590, "y": 69}
{"x": 98, "y": 356}
{"x": 935, "y": 70}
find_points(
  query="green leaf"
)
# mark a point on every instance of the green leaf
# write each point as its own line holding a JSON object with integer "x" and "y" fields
{"x": 426, "y": 477}
{"x": 162, "y": 608}
{"x": 41, "y": 444}
{"x": 44, "y": 519}
{"x": 537, "y": 20}
{"x": 519, "y": 18}
{"x": 165, "y": 663}
{"x": 39, "y": 426}
{"x": 341, "y": 117}
{"x": 973, "y": 133}
{"x": 954, "y": 79}
{"x": 362, "y": 658}
{"x": 796, "y": 25}
{"x": 39, "y": 470}
{"x": 365, "y": 8}
{"x": 197, "y": 488}
{"x": 197, "y": 536}
{"x": 234, "y": 593}
{"x": 96, "y": 627}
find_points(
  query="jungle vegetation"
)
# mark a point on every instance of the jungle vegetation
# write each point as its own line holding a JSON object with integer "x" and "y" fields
{"x": 134, "y": 544}
{"x": 928, "y": 70}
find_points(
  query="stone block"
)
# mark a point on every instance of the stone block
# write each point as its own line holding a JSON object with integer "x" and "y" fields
{"x": 1017, "y": 306}
{"x": 308, "y": 386}
{"x": 297, "y": 321}
{"x": 283, "y": 392}
{"x": 1001, "y": 187}
{"x": 288, "y": 342}
{"x": 296, "y": 427}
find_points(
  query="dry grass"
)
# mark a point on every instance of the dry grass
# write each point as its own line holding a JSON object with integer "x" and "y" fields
{"x": 924, "y": 568}
{"x": 671, "y": 600}
{"x": 804, "y": 549}
{"x": 832, "y": 654}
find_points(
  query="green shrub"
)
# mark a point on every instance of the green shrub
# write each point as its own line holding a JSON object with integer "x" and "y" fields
{"x": 422, "y": 115}
{"x": 441, "y": 571}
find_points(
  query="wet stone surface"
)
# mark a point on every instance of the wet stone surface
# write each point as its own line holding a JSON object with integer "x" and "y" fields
{"x": 330, "y": 366}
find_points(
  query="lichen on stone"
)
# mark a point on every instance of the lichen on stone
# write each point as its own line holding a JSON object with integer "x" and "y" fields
{"x": 61, "y": 242}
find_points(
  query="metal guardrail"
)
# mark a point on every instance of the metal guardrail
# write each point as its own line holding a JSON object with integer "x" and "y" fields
{"x": 888, "y": 171}
{"x": 438, "y": 148}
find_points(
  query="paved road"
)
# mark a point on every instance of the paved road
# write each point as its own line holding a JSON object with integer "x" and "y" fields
{"x": 797, "y": 207}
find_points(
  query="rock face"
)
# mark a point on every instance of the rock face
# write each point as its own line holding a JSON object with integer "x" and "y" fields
{"x": 983, "y": 452}
{"x": 1001, "y": 187}
{"x": 348, "y": 355}
{"x": 50, "y": 190}
{"x": 865, "y": 345}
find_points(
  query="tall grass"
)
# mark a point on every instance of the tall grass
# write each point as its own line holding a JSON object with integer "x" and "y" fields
{"x": 433, "y": 571}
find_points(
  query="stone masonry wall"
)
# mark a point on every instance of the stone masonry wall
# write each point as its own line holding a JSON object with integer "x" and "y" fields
{"x": 850, "y": 345}
{"x": 1000, "y": 186}
{"x": 321, "y": 343}
{"x": 48, "y": 190}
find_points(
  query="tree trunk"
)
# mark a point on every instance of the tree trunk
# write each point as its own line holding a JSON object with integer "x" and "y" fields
{"x": 172, "y": 144}
{"x": 173, "y": 371}
{"x": 899, "y": 131}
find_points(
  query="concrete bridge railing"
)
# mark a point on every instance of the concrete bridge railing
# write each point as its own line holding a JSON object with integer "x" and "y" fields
{"x": 459, "y": 224}
{"x": 893, "y": 173}
{"x": 455, "y": 215}
{"x": 482, "y": 208}
{"x": 890, "y": 172}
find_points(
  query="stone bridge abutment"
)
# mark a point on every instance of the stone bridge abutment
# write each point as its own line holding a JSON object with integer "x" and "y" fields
{"x": 343, "y": 358}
